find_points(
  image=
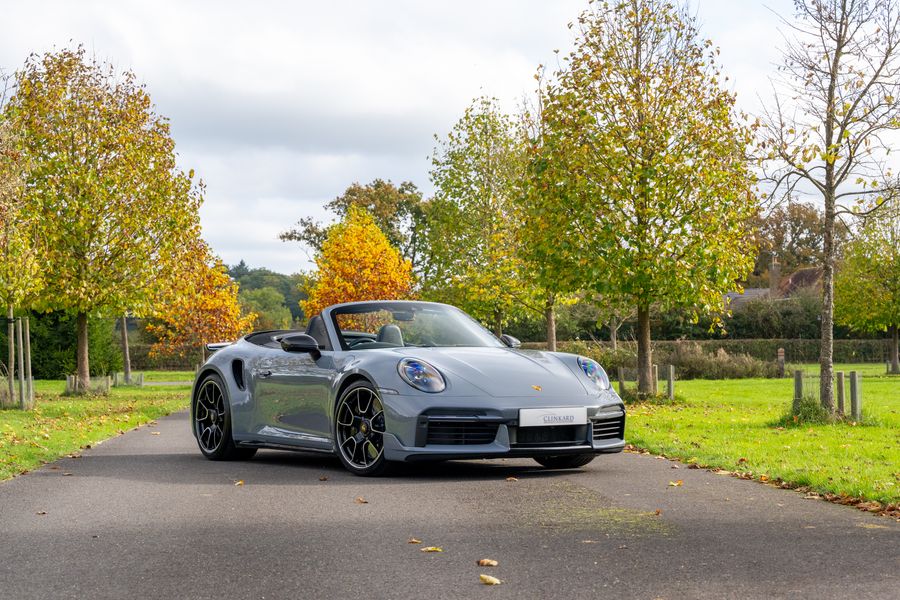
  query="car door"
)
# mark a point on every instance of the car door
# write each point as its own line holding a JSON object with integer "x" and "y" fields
{"x": 292, "y": 397}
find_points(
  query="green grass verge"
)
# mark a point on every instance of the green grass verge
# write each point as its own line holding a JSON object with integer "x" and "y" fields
{"x": 62, "y": 425}
{"x": 733, "y": 425}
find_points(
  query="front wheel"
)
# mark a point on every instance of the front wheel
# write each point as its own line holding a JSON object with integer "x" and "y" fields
{"x": 211, "y": 414}
{"x": 565, "y": 461}
{"x": 359, "y": 430}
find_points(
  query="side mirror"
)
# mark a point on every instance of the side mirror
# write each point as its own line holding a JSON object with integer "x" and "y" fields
{"x": 510, "y": 341}
{"x": 300, "y": 342}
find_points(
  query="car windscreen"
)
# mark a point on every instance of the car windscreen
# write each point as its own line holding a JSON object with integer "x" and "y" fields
{"x": 408, "y": 324}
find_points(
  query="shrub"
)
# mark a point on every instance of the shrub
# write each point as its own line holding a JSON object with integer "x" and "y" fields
{"x": 692, "y": 362}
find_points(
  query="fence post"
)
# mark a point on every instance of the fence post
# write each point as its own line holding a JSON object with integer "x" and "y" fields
{"x": 116, "y": 379}
{"x": 655, "y": 379}
{"x": 620, "y": 372}
{"x": 798, "y": 389}
{"x": 140, "y": 380}
{"x": 670, "y": 382}
{"x": 840, "y": 393}
{"x": 855, "y": 397}
{"x": 780, "y": 359}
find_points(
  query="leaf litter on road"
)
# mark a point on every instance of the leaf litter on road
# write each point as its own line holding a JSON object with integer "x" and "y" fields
{"x": 489, "y": 579}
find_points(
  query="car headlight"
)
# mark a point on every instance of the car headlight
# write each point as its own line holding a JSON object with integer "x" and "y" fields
{"x": 594, "y": 372}
{"x": 421, "y": 375}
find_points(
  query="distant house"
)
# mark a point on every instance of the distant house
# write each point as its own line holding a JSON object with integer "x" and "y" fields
{"x": 810, "y": 277}
{"x": 737, "y": 300}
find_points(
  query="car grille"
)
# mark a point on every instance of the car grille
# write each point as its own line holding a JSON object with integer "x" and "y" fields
{"x": 609, "y": 428}
{"x": 457, "y": 433}
{"x": 562, "y": 435}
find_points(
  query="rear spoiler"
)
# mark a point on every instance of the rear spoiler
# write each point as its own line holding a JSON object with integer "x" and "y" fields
{"x": 217, "y": 346}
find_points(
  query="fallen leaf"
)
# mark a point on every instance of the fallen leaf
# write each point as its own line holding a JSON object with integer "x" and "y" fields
{"x": 413, "y": 541}
{"x": 323, "y": 478}
{"x": 512, "y": 478}
{"x": 432, "y": 549}
{"x": 66, "y": 474}
{"x": 742, "y": 460}
{"x": 675, "y": 467}
{"x": 489, "y": 580}
{"x": 239, "y": 482}
{"x": 487, "y": 562}
{"x": 154, "y": 433}
{"x": 658, "y": 512}
{"x": 764, "y": 478}
{"x": 41, "y": 512}
{"x": 54, "y": 467}
{"x": 678, "y": 483}
{"x": 589, "y": 542}
{"x": 870, "y": 526}
{"x": 811, "y": 496}
{"x": 361, "y": 500}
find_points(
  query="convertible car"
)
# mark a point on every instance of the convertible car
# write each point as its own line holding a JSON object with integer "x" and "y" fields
{"x": 375, "y": 382}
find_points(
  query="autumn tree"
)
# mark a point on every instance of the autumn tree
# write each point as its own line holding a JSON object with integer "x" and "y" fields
{"x": 199, "y": 306}
{"x": 103, "y": 172}
{"x": 644, "y": 192}
{"x": 867, "y": 284}
{"x": 837, "y": 96}
{"x": 397, "y": 210}
{"x": 21, "y": 277}
{"x": 357, "y": 263}
{"x": 471, "y": 228}
{"x": 792, "y": 232}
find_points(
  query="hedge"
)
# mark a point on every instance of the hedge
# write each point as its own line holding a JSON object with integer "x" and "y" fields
{"x": 795, "y": 350}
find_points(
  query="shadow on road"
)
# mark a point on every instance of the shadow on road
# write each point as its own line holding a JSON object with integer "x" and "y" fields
{"x": 284, "y": 468}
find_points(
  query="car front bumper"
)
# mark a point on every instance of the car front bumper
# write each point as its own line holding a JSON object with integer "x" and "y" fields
{"x": 466, "y": 428}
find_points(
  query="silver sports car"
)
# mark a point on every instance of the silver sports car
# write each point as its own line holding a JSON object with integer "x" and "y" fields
{"x": 375, "y": 382}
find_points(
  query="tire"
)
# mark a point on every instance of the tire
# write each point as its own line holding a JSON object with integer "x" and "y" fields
{"x": 211, "y": 422}
{"x": 565, "y": 461}
{"x": 359, "y": 430}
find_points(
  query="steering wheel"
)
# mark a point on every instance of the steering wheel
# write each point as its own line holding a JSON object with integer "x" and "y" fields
{"x": 360, "y": 342}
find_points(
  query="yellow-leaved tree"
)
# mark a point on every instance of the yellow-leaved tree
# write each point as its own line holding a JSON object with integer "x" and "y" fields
{"x": 200, "y": 307}
{"x": 357, "y": 262}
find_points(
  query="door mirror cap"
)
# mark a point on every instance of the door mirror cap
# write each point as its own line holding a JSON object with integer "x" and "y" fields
{"x": 510, "y": 341}
{"x": 300, "y": 342}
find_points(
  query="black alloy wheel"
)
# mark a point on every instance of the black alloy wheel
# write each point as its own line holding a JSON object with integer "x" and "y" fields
{"x": 359, "y": 429}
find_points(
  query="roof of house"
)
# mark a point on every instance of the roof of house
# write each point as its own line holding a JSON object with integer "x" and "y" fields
{"x": 799, "y": 279}
{"x": 738, "y": 300}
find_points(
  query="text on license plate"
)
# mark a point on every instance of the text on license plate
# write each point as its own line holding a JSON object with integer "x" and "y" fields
{"x": 539, "y": 417}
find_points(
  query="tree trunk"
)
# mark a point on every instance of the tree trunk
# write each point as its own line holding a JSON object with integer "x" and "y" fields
{"x": 826, "y": 355}
{"x": 83, "y": 371}
{"x": 550, "y": 316}
{"x": 644, "y": 358}
{"x": 895, "y": 349}
{"x": 11, "y": 361}
{"x": 126, "y": 356}
{"x": 614, "y": 333}
{"x": 498, "y": 323}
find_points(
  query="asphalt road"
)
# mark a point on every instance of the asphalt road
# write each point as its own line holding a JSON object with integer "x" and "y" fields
{"x": 145, "y": 516}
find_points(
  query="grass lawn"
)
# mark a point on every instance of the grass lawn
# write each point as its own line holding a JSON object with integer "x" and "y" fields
{"x": 62, "y": 425}
{"x": 731, "y": 425}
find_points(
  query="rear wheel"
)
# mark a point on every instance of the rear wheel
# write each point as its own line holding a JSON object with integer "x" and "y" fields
{"x": 359, "y": 430}
{"x": 211, "y": 414}
{"x": 565, "y": 461}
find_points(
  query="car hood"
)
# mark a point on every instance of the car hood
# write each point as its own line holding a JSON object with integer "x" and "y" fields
{"x": 504, "y": 372}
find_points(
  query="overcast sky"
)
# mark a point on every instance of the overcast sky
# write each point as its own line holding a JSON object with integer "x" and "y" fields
{"x": 279, "y": 106}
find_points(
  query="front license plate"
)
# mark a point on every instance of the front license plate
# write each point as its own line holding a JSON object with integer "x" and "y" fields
{"x": 545, "y": 417}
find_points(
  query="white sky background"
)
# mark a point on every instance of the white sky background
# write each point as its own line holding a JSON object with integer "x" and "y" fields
{"x": 279, "y": 106}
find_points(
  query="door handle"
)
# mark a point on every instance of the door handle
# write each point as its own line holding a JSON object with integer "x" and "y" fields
{"x": 264, "y": 374}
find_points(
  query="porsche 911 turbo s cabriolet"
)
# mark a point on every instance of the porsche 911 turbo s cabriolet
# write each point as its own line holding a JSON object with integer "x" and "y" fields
{"x": 375, "y": 382}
